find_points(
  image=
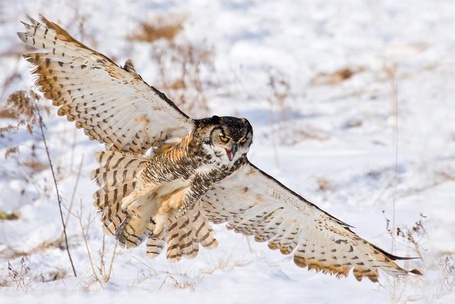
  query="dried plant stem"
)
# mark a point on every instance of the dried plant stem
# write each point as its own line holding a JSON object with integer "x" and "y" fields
{"x": 391, "y": 73}
{"x": 107, "y": 272}
{"x": 59, "y": 198}
{"x": 394, "y": 87}
{"x": 102, "y": 272}
{"x": 76, "y": 184}
{"x": 87, "y": 247}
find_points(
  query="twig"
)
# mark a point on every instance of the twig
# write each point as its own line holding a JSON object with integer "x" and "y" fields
{"x": 59, "y": 198}
{"x": 76, "y": 184}
{"x": 87, "y": 247}
{"x": 391, "y": 71}
{"x": 395, "y": 112}
{"x": 106, "y": 273}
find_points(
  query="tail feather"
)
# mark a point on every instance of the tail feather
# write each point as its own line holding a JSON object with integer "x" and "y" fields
{"x": 117, "y": 177}
{"x": 112, "y": 220}
{"x": 185, "y": 233}
{"x": 155, "y": 243}
{"x": 203, "y": 231}
{"x": 113, "y": 160}
{"x": 173, "y": 244}
{"x": 188, "y": 242}
{"x": 107, "y": 195}
{"x": 103, "y": 176}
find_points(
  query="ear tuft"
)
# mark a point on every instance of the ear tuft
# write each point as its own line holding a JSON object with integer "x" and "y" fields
{"x": 216, "y": 119}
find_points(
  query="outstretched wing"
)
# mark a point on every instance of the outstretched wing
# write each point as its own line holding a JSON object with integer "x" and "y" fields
{"x": 112, "y": 104}
{"x": 254, "y": 203}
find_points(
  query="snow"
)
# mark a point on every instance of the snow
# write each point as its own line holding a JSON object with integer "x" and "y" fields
{"x": 374, "y": 147}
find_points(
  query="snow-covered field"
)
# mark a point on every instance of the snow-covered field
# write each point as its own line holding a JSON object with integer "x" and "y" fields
{"x": 352, "y": 105}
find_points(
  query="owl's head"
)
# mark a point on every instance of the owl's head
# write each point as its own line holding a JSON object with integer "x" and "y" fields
{"x": 228, "y": 137}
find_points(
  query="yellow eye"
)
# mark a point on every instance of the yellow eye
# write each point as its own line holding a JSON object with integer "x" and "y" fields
{"x": 243, "y": 140}
{"x": 224, "y": 138}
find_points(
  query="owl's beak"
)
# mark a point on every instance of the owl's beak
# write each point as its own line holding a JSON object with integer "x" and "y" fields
{"x": 231, "y": 153}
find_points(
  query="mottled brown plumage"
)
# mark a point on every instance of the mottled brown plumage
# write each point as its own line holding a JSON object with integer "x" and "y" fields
{"x": 163, "y": 175}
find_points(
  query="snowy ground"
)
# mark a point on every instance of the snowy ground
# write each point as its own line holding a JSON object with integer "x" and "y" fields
{"x": 376, "y": 146}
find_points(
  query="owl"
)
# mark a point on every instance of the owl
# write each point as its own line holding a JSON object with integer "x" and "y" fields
{"x": 165, "y": 177}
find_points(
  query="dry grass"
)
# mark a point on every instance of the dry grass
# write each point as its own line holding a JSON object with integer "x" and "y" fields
{"x": 446, "y": 278}
{"x": 23, "y": 278}
{"x": 397, "y": 286}
{"x": 161, "y": 27}
{"x": 438, "y": 268}
{"x": 11, "y": 253}
{"x": 103, "y": 265}
{"x": 183, "y": 71}
{"x": 280, "y": 90}
{"x": 20, "y": 106}
{"x": 284, "y": 109}
{"x": 178, "y": 283}
{"x": 8, "y": 216}
{"x": 184, "y": 68}
{"x": 324, "y": 184}
{"x": 336, "y": 77}
{"x": 8, "y": 114}
{"x": 413, "y": 236}
{"x": 11, "y": 150}
{"x": 20, "y": 112}
{"x": 20, "y": 275}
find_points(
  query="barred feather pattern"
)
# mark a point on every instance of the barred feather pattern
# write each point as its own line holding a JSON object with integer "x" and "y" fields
{"x": 118, "y": 176}
{"x": 112, "y": 104}
{"x": 254, "y": 204}
{"x": 182, "y": 236}
{"x": 131, "y": 214}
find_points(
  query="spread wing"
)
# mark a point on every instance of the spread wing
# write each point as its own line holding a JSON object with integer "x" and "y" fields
{"x": 112, "y": 104}
{"x": 254, "y": 203}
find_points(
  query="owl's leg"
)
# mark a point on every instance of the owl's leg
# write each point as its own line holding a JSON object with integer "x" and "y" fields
{"x": 133, "y": 200}
{"x": 169, "y": 209}
{"x": 138, "y": 208}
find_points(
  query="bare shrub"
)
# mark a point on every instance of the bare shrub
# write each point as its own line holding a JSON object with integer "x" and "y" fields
{"x": 183, "y": 67}
{"x": 414, "y": 236}
{"x": 20, "y": 275}
{"x": 103, "y": 266}
{"x": 280, "y": 91}
{"x": 284, "y": 112}
{"x": 446, "y": 278}
{"x": 21, "y": 106}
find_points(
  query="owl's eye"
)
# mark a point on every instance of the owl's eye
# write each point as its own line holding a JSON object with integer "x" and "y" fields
{"x": 243, "y": 140}
{"x": 224, "y": 139}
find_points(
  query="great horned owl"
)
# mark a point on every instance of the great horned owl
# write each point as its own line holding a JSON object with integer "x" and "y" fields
{"x": 164, "y": 176}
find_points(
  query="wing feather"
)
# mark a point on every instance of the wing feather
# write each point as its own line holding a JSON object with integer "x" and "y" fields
{"x": 111, "y": 103}
{"x": 254, "y": 203}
